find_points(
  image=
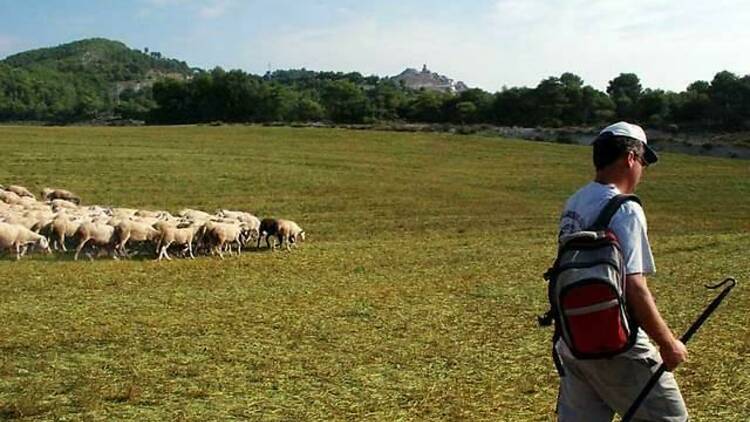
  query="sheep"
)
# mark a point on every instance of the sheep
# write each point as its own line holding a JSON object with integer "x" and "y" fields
{"x": 48, "y": 194}
{"x": 268, "y": 227}
{"x": 160, "y": 226}
{"x": 289, "y": 232}
{"x": 181, "y": 236}
{"x": 195, "y": 215}
{"x": 133, "y": 231}
{"x": 159, "y": 215}
{"x": 98, "y": 234}
{"x": 59, "y": 228}
{"x": 24, "y": 220}
{"x": 96, "y": 210}
{"x": 20, "y": 238}
{"x": 20, "y": 191}
{"x": 62, "y": 204}
{"x": 123, "y": 213}
{"x": 221, "y": 235}
{"x": 252, "y": 222}
{"x": 9, "y": 197}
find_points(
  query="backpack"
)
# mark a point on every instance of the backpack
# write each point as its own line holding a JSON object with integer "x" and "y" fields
{"x": 586, "y": 291}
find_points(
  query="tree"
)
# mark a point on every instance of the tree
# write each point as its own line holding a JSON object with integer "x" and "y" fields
{"x": 427, "y": 106}
{"x": 308, "y": 110}
{"x": 552, "y": 101}
{"x": 625, "y": 91}
{"x": 654, "y": 107}
{"x": 344, "y": 101}
{"x": 386, "y": 98}
{"x": 466, "y": 112}
{"x": 515, "y": 107}
{"x": 729, "y": 96}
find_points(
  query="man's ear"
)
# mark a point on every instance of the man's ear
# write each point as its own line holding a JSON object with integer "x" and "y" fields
{"x": 631, "y": 158}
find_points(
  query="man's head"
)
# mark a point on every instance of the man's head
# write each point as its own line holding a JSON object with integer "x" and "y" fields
{"x": 621, "y": 152}
{"x": 617, "y": 140}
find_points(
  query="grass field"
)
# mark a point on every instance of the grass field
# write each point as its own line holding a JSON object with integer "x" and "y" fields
{"x": 414, "y": 297}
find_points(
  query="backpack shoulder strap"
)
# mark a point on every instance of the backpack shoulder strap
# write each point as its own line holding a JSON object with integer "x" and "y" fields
{"x": 602, "y": 221}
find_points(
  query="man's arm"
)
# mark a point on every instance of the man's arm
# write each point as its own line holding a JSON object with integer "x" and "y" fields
{"x": 641, "y": 304}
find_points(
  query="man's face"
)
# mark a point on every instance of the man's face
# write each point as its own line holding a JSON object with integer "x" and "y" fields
{"x": 637, "y": 165}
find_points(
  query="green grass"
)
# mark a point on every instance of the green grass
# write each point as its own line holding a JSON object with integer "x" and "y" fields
{"x": 414, "y": 298}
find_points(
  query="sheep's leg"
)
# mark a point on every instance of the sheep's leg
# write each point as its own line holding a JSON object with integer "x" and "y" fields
{"x": 61, "y": 242}
{"x": 190, "y": 250}
{"x": 78, "y": 249}
{"x": 121, "y": 246}
{"x": 18, "y": 251}
{"x": 166, "y": 246}
{"x": 162, "y": 251}
{"x": 159, "y": 242}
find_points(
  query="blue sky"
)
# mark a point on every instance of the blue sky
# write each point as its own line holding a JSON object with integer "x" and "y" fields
{"x": 486, "y": 43}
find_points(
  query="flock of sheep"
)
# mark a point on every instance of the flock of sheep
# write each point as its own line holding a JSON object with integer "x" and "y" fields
{"x": 59, "y": 218}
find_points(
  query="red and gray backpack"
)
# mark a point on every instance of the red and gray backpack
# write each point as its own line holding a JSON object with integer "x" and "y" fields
{"x": 587, "y": 291}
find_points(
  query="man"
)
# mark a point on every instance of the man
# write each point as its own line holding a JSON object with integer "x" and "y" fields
{"x": 592, "y": 390}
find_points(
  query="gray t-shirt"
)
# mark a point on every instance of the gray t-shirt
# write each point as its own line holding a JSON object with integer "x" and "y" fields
{"x": 629, "y": 225}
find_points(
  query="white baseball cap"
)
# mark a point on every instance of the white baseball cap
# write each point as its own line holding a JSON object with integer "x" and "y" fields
{"x": 632, "y": 131}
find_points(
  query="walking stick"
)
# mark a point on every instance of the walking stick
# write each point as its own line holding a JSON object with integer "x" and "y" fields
{"x": 685, "y": 337}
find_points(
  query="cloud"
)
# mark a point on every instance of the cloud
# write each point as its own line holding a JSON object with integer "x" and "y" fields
{"x": 211, "y": 9}
{"x": 214, "y": 9}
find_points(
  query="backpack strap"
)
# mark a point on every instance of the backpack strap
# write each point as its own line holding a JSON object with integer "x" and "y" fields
{"x": 602, "y": 221}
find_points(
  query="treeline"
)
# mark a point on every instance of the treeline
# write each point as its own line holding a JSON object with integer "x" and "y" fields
{"x": 302, "y": 95}
{"x": 99, "y": 79}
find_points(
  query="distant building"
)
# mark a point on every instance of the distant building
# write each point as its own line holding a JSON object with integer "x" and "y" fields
{"x": 426, "y": 79}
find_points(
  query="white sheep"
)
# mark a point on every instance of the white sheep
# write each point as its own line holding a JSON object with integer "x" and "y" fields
{"x": 48, "y": 194}
{"x": 98, "y": 234}
{"x": 251, "y": 222}
{"x": 180, "y": 236}
{"x": 19, "y": 238}
{"x": 195, "y": 215}
{"x": 59, "y": 228}
{"x": 289, "y": 233}
{"x": 9, "y": 197}
{"x": 220, "y": 236}
{"x": 137, "y": 231}
{"x": 20, "y": 191}
{"x": 62, "y": 204}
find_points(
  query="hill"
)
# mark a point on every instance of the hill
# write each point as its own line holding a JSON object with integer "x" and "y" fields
{"x": 82, "y": 79}
{"x": 109, "y": 60}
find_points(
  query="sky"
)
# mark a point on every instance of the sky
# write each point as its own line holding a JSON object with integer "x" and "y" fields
{"x": 488, "y": 44}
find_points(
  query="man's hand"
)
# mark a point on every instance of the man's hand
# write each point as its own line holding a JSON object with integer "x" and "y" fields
{"x": 674, "y": 354}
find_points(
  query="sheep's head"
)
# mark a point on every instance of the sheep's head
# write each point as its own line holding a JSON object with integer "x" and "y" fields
{"x": 299, "y": 236}
{"x": 43, "y": 245}
{"x": 246, "y": 234}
